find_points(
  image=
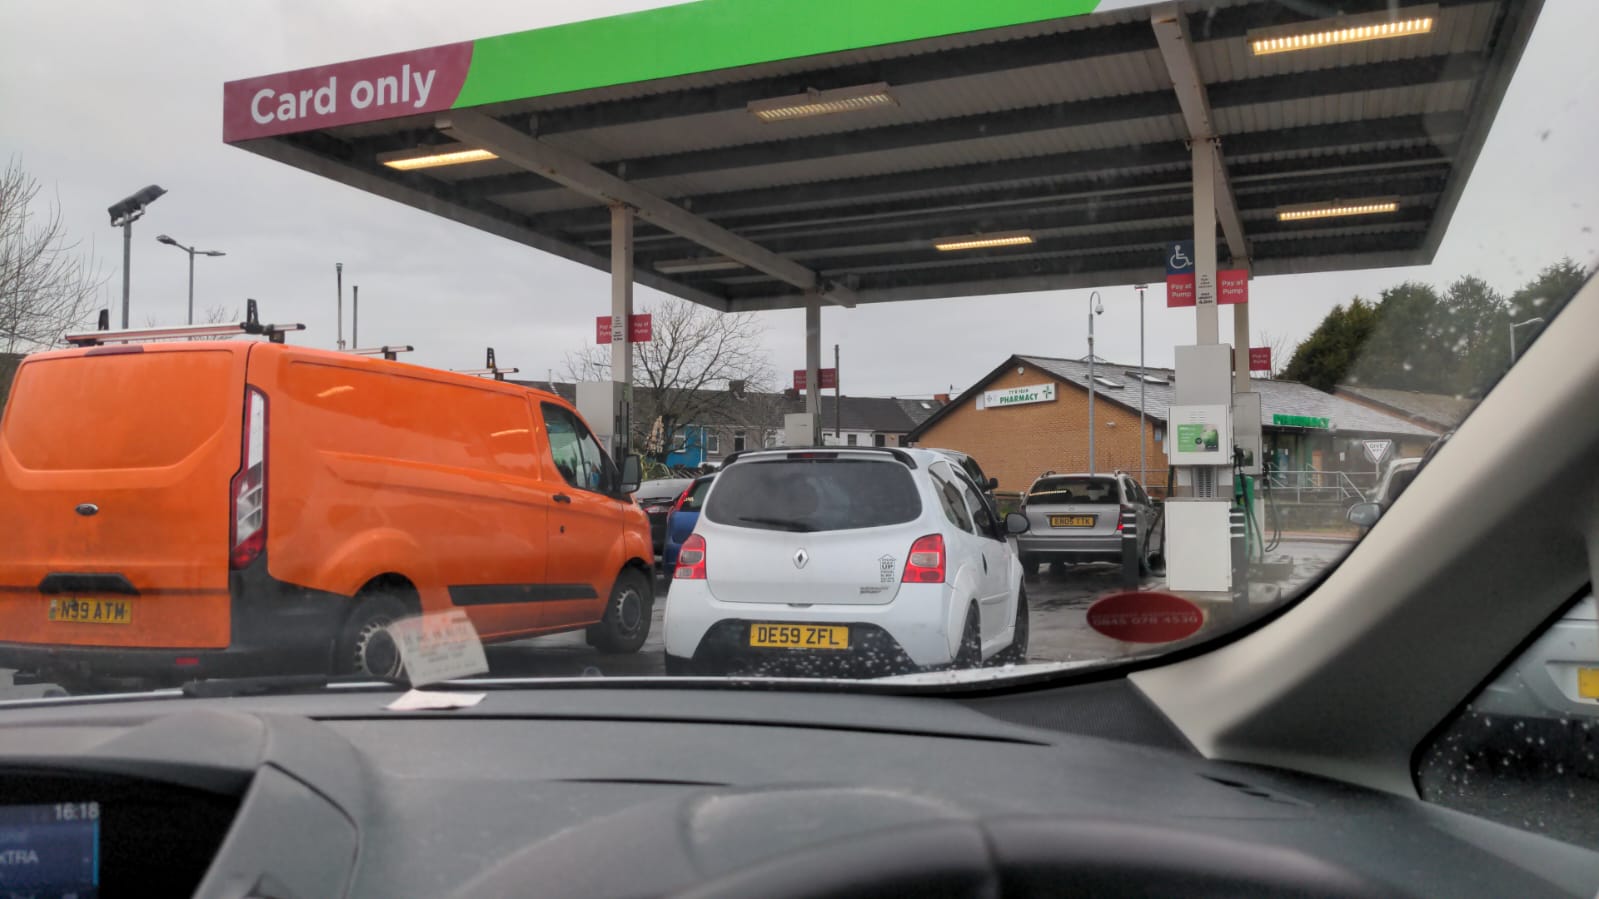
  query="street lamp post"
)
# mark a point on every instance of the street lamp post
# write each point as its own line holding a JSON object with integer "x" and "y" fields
{"x": 1513, "y": 327}
{"x": 1096, "y": 307}
{"x": 192, "y": 253}
{"x": 123, "y": 214}
{"x": 1141, "y": 458}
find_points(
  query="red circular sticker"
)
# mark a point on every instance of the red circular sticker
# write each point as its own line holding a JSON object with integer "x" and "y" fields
{"x": 1145, "y": 617}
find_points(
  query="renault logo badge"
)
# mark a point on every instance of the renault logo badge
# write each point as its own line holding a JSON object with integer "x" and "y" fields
{"x": 800, "y": 558}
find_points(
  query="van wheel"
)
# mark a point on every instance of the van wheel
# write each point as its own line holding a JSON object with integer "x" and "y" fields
{"x": 626, "y": 624}
{"x": 970, "y": 654}
{"x": 1016, "y": 652}
{"x": 365, "y": 646}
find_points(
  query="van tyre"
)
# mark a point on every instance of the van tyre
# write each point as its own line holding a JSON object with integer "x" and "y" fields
{"x": 365, "y": 646}
{"x": 1016, "y": 652}
{"x": 970, "y": 654}
{"x": 626, "y": 624}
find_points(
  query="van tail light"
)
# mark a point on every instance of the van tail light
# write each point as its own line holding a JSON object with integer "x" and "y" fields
{"x": 691, "y": 560}
{"x": 925, "y": 565}
{"x": 248, "y": 492}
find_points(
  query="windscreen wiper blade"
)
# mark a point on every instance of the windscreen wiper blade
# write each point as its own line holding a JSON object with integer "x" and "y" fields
{"x": 283, "y": 684}
{"x": 787, "y": 524}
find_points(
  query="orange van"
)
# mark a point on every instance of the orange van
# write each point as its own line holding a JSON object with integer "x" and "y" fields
{"x": 171, "y": 511}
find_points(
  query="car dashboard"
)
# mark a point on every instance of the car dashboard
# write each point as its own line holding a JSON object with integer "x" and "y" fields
{"x": 607, "y": 789}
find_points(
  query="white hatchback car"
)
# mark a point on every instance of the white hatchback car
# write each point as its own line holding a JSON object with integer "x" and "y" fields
{"x": 848, "y": 562}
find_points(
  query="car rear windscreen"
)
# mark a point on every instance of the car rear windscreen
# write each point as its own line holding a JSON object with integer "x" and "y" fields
{"x": 1074, "y": 491}
{"x": 696, "y": 496}
{"x": 806, "y": 495}
{"x": 119, "y": 411}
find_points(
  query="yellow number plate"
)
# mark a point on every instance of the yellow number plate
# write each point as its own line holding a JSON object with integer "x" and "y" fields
{"x": 1588, "y": 683}
{"x": 92, "y": 611}
{"x": 1071, "y": 521}
{"x": 799, "y": 636}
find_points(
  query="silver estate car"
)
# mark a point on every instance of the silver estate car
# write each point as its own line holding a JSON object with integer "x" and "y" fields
{"x": 1077, "y": 518}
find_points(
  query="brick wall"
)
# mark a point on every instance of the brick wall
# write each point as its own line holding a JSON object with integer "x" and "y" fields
{"x": 1018, "y": 443}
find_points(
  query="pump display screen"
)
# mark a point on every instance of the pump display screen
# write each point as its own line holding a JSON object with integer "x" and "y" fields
{"x": 50, "y": 851}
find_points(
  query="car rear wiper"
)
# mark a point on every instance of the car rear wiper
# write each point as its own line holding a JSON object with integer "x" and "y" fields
{"x": 282, "y": 684}
{"x": 787, "y": 524}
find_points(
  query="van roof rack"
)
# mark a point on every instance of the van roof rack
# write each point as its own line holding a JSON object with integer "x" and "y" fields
{"x": 388, "y": 352}
{"x": 491, "y": 370}
{"x": 251, "y": 325}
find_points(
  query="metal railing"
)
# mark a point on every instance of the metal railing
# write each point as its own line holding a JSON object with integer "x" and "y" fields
{"x": 1323, "y": 486}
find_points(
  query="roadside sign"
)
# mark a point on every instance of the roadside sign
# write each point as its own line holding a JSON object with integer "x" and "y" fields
{"x": 1180, "y": 260}
{"x": 827, "y": 377}
{"x": 1260, "y": 358}
{"x": 1016, "y": 396}
{"x": 642, "y": 329}
{"x": 1145, "y": 617}
{"x": 1300, "y": 421}
{"x": 1233, "y": 286}
{"x": 1377, "y": 450}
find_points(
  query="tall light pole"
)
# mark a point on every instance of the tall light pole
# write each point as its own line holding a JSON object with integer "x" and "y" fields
{"x": 338, "y": 274}
{"x": 1141, "y": 460}
{"x": 1513, "y": 327}
{"x": 123, "y": 214}
{"x": 192, "y": 253}
{"x": 1095, "y": 307}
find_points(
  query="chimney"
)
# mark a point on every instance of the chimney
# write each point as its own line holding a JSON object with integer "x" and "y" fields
{"x": 941, "y": 398}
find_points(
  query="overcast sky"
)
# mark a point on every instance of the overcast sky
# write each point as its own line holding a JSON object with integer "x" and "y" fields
{"x": 101, "y": 98}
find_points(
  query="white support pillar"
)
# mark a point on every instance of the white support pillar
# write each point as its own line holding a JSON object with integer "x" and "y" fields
{"x": 813, "y": 363}
{"x": 621, "y": 315}
{"x": 1208, "y": 329}
{"x": 1241, "y": 348}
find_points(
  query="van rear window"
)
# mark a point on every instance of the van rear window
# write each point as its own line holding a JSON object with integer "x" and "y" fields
{"x": 129, "y": 410}
{"x": 806, "y": 495}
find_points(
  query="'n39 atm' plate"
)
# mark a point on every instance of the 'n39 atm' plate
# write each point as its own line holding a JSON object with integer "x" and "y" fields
{"x": 91, "y": 611}
{"x": 799, "y": 636}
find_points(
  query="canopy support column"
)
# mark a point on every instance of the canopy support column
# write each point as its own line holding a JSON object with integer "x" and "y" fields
{"x": 621, "y": 323}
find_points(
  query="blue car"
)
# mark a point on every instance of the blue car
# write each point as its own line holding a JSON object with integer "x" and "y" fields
{"x": 680, "y": 522}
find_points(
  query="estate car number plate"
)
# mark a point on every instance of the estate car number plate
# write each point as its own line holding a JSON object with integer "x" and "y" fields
{"x": 91, "y": 611}
{"x": 1071, "y": 521}
{"x": 799, "y": 636}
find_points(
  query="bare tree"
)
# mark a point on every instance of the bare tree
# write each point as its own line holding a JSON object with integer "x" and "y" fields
{"x": 47, "y": 286}
{"x": 1281, "y": 350}
{"x": 685, "y": 373}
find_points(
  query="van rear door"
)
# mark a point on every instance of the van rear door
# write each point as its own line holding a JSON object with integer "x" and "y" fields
{"x": 115, "y": 465}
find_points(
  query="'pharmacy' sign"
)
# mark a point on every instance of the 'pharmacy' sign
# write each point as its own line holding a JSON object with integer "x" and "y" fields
{"x": 1017, "y": 396}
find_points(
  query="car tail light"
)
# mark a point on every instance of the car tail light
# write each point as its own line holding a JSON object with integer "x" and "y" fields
{"x": 925, "y": 565}
{"x": 248, "y": 492}
{"x": 691, "y": 560}
{"x": 1121, "y": 517}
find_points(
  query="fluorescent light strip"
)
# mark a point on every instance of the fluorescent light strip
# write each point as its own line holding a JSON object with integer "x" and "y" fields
{"x": 697, "y": 264}
{"x": 979, "y": 242}
{"x": 454, "y": 157}
{"x": 815, "y": 103}
{"x": 1332, "y": 37}
{"x": 1300, "y": 213}
{"x": 806, "y": 110}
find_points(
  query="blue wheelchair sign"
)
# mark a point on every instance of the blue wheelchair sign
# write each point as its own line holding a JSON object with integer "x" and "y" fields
{"x": 1180, "y": 257}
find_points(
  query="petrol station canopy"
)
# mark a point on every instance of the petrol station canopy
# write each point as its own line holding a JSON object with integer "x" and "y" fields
{"x": 879, "y": 150}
